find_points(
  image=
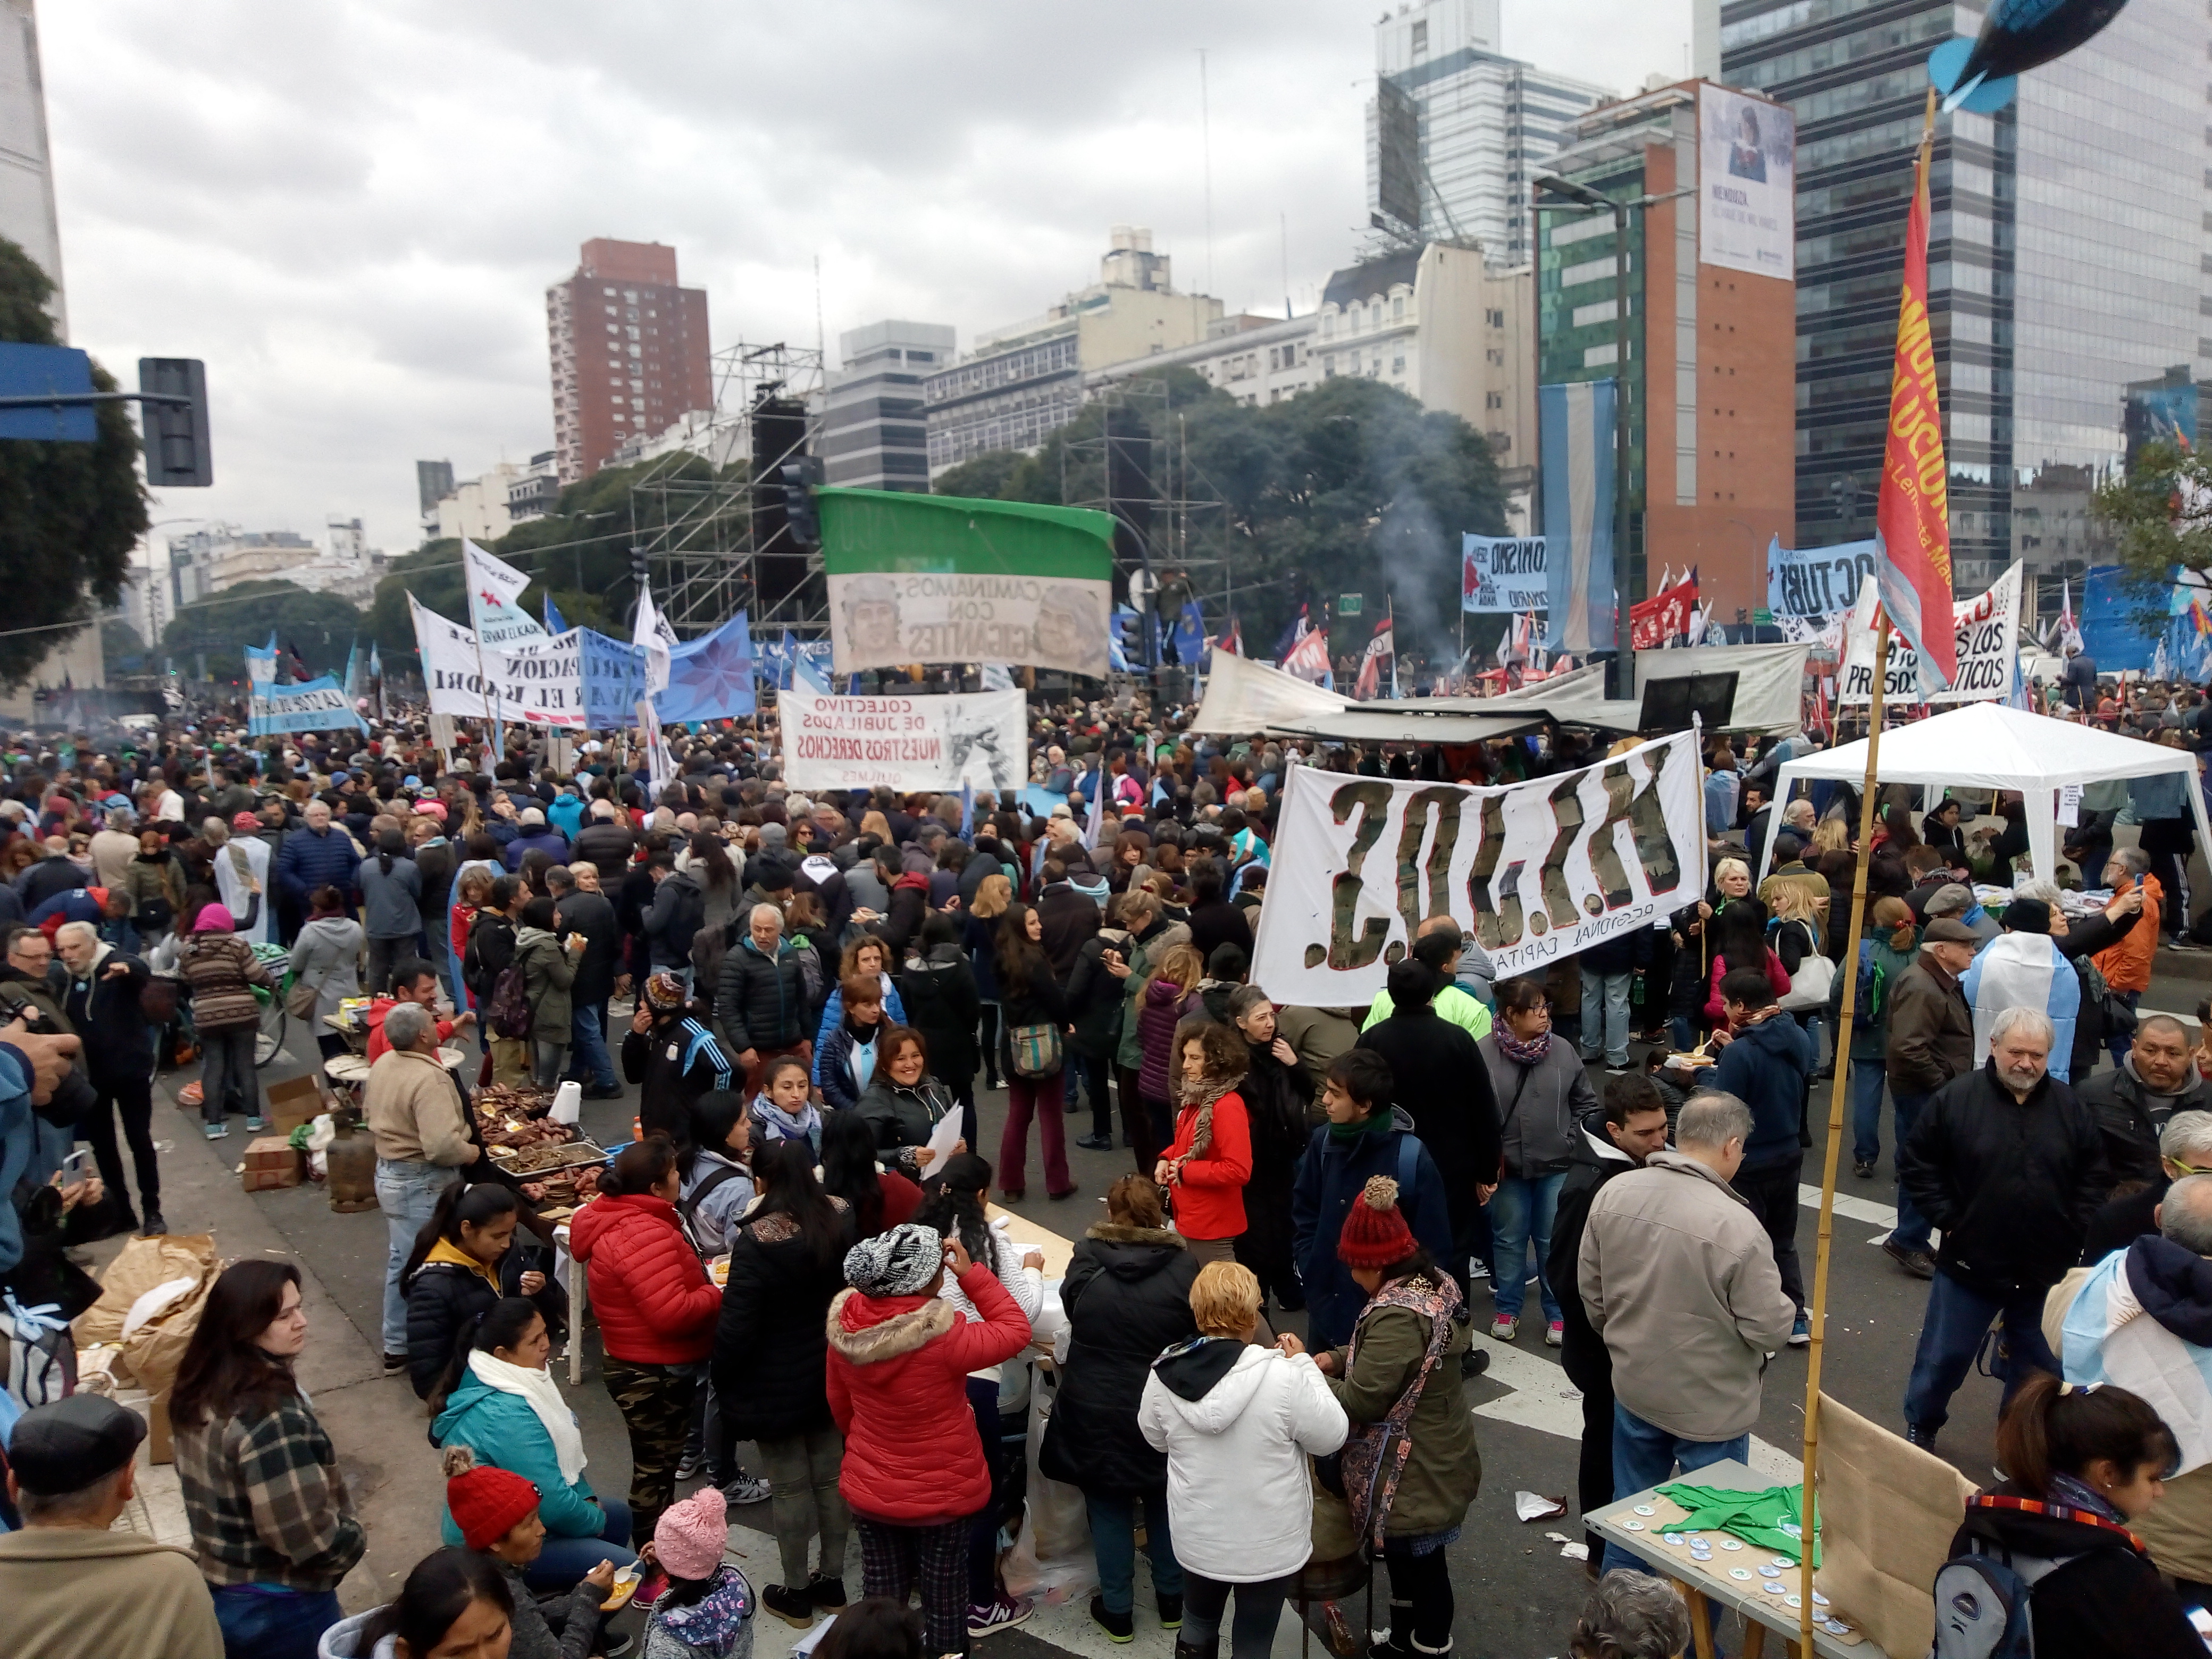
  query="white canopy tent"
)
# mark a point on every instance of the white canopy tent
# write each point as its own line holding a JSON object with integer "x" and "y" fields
{"x": 1987, "y": 746}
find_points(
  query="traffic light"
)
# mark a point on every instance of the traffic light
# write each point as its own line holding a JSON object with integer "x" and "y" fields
{"x": 177, "y": 452}
{"x": 799, "y": 478}
{"x": 637, "y": 568}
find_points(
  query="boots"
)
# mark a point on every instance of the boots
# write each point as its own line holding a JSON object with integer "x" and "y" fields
{"x": 1198, "y": 1649}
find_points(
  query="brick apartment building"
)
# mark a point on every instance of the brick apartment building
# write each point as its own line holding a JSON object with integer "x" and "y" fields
{"x": 629, "y": 349}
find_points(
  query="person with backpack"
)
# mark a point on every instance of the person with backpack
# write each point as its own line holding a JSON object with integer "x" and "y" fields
{"x": 2045, "y": 1562}
{"x": 1884, "y": 956}
{"x": 488, "y": 962}
{"x": 718, "y": 1179}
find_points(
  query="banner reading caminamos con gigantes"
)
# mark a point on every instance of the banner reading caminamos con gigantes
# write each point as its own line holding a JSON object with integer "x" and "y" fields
{"x": 937, "y": 579}
{"x": 1534, "y": 871}
{"x": 978, "y": 738}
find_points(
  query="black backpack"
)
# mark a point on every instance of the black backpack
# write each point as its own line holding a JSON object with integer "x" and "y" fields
{"x": 490, "y": 953}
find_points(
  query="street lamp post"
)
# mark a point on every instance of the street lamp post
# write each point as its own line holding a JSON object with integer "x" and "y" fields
{"x": 1620, "y": 673}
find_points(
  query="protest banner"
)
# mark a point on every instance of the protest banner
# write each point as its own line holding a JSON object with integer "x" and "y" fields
{"x": 932, "y": 578}
{"x": 539, "y": 684}
{"x": 975, "y": 739}
{"x": 1815, "y": 581}
{"x": 1535, "y": 872}
{"x": 1986, "y": 636}
{"x": 1665, "y": 616}
{"x": 318, "y": 705}
{"x": 1503, "y": 573}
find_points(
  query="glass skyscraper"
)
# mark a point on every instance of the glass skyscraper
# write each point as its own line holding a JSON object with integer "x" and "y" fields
{"x": 2067, "y": 256}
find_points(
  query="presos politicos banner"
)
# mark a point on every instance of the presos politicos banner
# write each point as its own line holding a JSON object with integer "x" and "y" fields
{"x": 979, "y": 739}
{"x": 1535, "y": 871}
{"x": 1986, "y": 633}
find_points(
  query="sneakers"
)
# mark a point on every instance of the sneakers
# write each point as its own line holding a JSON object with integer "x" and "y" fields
{"x": 690, "y": 1464}
{"x": 217, "y": 1131}
{"x": 254, "y": 1126}
{"x": 1477, "y": 1268}
{"x": 1505, "y": 1327}
{"x": 1555, "y": 1334}
{"x": 612, "y": 1091}
{"x": 794, "y": 1607}
{"x": 155, "y": 1225}
{"x": 1916, "y": 1436}
{"x": 1918, "y": 1263}
{"x": 1801, "y": 1333}
{"x": 394, "y": 1364}
{"x": 1120, "y": 1628}
{"x": 1170, "y": 1611}
{"x": 825, "y": 1592}
{"x": 1862, "y": 1169}
{"x": 1097, "y": 1144}
{"x": 742, "y": 1488}
{"x": 1003, "y": 1613}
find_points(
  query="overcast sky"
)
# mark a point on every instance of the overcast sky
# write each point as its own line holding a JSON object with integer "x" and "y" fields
{"x": 352, "y": 210}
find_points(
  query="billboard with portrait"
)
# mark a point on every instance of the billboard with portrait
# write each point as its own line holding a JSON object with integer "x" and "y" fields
{"x": 1746, "y": 183}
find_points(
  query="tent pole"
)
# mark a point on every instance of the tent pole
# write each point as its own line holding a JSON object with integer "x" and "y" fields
{"x": 1837, "y": 1095}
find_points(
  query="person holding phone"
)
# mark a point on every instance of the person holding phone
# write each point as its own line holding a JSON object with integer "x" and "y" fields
{"x": 463, "y": 1263}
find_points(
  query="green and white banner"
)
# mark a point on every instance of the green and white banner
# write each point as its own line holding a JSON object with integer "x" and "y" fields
{"x": 936, "y": 579}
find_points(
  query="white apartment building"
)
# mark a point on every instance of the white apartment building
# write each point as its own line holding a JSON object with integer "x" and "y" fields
{"x": 874, "y": 434}
{"x": 1456, "y": 129}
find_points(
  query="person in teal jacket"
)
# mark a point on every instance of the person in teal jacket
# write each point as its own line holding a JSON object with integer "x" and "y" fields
{"x": 498, "y": 1400}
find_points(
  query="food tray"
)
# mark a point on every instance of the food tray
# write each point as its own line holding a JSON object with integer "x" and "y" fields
{"x": 529, "y": 1160}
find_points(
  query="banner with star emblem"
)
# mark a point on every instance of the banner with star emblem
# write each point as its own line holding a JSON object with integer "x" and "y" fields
{"x": 710, "y": 678}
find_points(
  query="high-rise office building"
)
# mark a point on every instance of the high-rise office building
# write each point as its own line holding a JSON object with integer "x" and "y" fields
{"x": 2066, "y": 257}
{"x": 874, "y": 435}
{"x": 1457, "y": 129}
{"x": 26, "y": 174}
{"x": 1708, "y": 385}
{"x": 629, "y": 352}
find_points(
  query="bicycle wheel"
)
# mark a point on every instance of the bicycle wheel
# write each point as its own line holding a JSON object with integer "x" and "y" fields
{"x": 268, "y": 1041}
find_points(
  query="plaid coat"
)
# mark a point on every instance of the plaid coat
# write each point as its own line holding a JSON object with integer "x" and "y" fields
{"x": 266, "y": 1500}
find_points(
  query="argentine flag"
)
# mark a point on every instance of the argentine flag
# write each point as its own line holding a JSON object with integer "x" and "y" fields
{"x": 2108, "y": 1337}
{"x": 2024, "y": 971}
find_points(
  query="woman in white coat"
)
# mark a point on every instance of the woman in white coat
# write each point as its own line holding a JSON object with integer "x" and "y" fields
{"x": 1238, "y": 1423}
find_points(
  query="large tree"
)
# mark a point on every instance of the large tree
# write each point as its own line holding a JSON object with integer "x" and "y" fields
{"x": 2159, "y": 515}
{"x": 321, "y": 627}
{"x": 70, "y": 513}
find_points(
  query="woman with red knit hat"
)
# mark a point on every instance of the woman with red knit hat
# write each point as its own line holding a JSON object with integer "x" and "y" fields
{"x": 497, "y": 1513}
{"x": 1399, "y": 1380}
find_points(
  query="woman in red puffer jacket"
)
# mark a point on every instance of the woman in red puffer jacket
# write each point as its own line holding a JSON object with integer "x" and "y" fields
{"x": 914, "y": 1472}
{"x": 657, "y": 1310}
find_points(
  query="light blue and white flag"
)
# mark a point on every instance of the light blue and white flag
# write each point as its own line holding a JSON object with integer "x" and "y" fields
{"x": 2107, "y": 1337}
{"x": 2024, "y": 971}
{"x": 1577, "y": 435}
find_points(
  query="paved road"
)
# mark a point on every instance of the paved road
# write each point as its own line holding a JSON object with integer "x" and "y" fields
{"x": 1516, "y": 1595}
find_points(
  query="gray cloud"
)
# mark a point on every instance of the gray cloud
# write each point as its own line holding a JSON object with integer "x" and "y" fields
{"x": 352, "y": 212}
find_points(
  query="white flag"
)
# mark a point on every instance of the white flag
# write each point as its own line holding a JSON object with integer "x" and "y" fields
{"x": 656, "y": 639}
{"x": 494, "y": 590}
{"x": 997, "y": 677}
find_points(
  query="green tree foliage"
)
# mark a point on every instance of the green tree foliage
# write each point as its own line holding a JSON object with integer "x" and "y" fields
{"x": 1351, "y": 488}
{"x": 70, "y": 513}
{"x": 321, "y": 627}
{"x": 2159, "y": 516}
{"x": 119, "y": 643}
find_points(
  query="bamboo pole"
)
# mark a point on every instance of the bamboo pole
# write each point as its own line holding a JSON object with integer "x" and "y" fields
{"x": 1837, "y": 1095}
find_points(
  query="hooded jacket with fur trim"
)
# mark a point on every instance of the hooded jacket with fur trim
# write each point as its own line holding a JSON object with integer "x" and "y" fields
{"x": 897, "y": 1377}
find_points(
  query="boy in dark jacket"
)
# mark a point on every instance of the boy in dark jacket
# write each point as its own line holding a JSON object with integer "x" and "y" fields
{"x": 1767, "y": 1066}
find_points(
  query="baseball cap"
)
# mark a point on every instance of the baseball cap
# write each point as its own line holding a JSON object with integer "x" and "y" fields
{"x": 67, "y": 1446}
{"x": 531, "y": 814}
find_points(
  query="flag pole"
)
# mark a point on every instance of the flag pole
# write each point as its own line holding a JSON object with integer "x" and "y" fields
{"x": 1839, "y": 1089}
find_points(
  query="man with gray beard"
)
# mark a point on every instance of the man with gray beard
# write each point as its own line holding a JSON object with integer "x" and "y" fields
{"x": 2010, "y": 1165}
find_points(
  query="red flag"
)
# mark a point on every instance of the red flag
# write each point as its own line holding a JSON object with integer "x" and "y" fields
{"x": 1912, "y": 516}
{"x": 1664, "y": 615}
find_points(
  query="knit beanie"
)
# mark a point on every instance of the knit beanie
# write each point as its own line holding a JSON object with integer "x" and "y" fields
{"x": 1375, "y": 1234}
{"x": 900, "y": 1261}
{"x": 486, "y": 1503}
{"x": 664, "y": 992}
{"x": 690, "y": 1536}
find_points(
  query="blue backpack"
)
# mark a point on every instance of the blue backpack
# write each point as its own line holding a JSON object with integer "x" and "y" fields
{"x": 1872, "y": 981}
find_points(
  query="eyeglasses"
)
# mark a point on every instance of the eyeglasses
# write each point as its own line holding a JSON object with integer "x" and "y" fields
{"x": 2185, "y": 1169}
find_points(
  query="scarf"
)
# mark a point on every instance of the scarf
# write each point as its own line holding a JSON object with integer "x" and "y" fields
{"x": 1530, "y": 1053}
{"x": 2078, "y": 1495}
{"x": 1378, "y": 1123}
{"x": 777, "y": 1124}
{"x": 1202, "y": 1095}
{"x": 535, "y": 1387}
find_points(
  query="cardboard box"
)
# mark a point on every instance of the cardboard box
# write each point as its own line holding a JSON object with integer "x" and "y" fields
{"x": 296, "y": 1101}
{"x": 159, "y": 1448}
{"x": 271, "y": 1161}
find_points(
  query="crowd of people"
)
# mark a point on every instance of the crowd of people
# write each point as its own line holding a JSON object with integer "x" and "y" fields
{"x": 803, "y": 1302}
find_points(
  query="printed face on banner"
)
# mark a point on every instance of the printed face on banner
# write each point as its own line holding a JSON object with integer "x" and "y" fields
{"x": 1503, "y": 573}
{"x": 1746, "y": 177}
{"x": 1986, "y": 633}
{"x": 881, "y": 619}
{"x": 1535, "y": 872}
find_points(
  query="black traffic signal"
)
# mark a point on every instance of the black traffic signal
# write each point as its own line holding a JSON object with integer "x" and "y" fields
{"x": 176, "y": 453}
{"x": 637, "y": 568}
{"x": 799, "y": 478}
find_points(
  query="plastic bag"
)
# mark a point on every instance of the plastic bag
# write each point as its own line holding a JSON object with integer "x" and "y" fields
{"x": 1051, "y": 1557}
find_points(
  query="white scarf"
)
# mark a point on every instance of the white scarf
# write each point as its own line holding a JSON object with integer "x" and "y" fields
{"x": 535, "y": 1387}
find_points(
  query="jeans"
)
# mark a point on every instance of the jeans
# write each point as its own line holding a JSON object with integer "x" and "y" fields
{"x": 1259, "y": 1610}
{"x": 227, "y": 1072}
{"x": 1521, "y": 1210}
{"x": 1771, "y": 1189}
{"x": 1605, "y": 1016}
{"x": 588, "y": 1059}
{"x": 1645, "y": 1454}
{"x": 1113, "y": 1541}
{"x": 407, "y": 1192}
{"x": 1910, "y": 1232}
{"x": 565, "y": 1560}
{"x": 1951, "y": 1334}
{"x": 267, "y": 1621}
{"x": 1090, "y": 1071}
{"x": 1039, "y": 1097}
{"x": 134, "y": 1098}
{"x": 548, "y": 1060}
{"x": 2120, "y": 1045}
{"x": 1868, "y": 1078}
{"x": 804, "y": 1501}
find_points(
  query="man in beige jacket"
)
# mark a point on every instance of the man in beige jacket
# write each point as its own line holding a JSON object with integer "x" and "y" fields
{"x": 1678, "y": 1276}
{"x": 2141, "y": 1324}
{"x": 421, "y": 1132}
{"x": 71, "y": 1588}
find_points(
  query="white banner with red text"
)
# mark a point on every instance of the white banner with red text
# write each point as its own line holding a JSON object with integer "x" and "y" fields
{"x": 978, "y": 740}
{"x": 1534, "y": 871}
{"x": 1985, "y": 633}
